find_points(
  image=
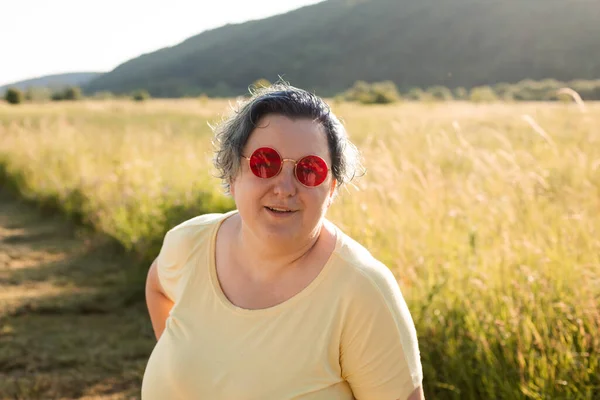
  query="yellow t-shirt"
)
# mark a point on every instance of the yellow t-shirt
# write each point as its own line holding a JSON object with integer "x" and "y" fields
{"x": 348, "y": 334}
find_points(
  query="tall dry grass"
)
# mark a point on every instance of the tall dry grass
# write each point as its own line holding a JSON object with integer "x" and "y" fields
{"x": 488, "y": 214}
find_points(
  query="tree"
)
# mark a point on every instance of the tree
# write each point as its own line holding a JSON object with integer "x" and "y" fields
{"x": 13, "y": 96}
{"x": 385, "y": 92}
{"x": 37, "y": 94}
{"x": 72, "y": 93}
{"x": 440, "y": 93}
{"x": 415, "y": 94}
{"x": 460, "y": 93}
{"x": 505, "y": 91}
{"x": 103, "y": 95}
{"x": 259, "y": 84}
{"x": 69, "y": 93}
{"x": 57, "y": 96}
{"x": 375, "y": 93}
{"x": 588, "y": 90}
{"x": 141, "y": 95}
{"x": 482, "y": 94}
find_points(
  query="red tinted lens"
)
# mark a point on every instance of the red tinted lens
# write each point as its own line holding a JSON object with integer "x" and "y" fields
{"x": 265, "y": 162}
{"x": 311, "y": 171}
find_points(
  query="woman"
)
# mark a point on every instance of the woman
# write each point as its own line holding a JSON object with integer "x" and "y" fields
{"x": 272, "y": 300}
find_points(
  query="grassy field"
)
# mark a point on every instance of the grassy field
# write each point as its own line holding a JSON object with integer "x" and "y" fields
{"x": 489, "y": 214}
{"x": 67, "y": 329}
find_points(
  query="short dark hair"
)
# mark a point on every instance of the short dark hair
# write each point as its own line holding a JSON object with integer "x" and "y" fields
{"x": 282, "y": 99}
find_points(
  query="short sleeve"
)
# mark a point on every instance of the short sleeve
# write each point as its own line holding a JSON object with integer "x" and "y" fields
{"x": 180, "y": 244}
{"x": 379, "y": 352}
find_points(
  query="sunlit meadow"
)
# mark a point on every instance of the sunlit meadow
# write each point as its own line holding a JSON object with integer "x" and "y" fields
{"x": 488, "y": 214}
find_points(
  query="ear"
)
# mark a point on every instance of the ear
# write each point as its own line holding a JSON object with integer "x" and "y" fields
{"x": 332, "y": 192}
{"x": 232, "y": 187}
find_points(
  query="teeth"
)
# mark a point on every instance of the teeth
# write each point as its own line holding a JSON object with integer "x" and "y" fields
{"x": 279, "y": 209}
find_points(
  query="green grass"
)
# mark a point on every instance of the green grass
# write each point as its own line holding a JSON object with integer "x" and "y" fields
{"x": 69, "y": 326}
{"x": 487, "y": 214}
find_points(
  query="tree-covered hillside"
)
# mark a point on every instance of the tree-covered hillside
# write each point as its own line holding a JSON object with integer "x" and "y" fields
{"x": 57, "y": 81}
{"x": 328, "y": 46}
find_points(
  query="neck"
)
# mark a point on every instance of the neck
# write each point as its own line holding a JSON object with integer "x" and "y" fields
{"x": 266, "y": 262}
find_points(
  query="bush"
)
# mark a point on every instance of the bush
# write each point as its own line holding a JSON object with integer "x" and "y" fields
{"x": 13, "y": 96}
{"x": 259, "y": 83}
{"x": 375, "y": 93}
{"x": 505, "y": 91}
{"x": 460, "y": 93}
{"x": 440, "y": 93}
{"x": 38, "y": 94}
{"x": 482, "y": 94}
{"x": 385, "y": 92}
{"x": 72, "y": 93}
{"x": 203, "y": 98}
{"x": 103, "y": 95}
{"x": 141, "y": 95}
{"x": 57, "y": 96}
{"x": 418, "y": 94}
{"x": 588, "y": 90}
{"x": 529, "y": 90}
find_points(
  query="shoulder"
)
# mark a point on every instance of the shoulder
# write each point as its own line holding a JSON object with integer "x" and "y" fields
{"x": 365, "y": 272}
{"x": 380, "y": 352}
{"x": 199, "y": 222}
{"x": 181, "y": 243}
{"x": 373, "y": 295}
{"x": 194, "y": 229}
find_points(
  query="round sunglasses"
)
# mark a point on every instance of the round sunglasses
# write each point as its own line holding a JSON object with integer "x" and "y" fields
{"x": 266, "y": 163}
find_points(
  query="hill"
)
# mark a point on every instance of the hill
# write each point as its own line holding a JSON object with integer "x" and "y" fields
{"x": 56, "y": 81}
{"x": 328, "y": 46}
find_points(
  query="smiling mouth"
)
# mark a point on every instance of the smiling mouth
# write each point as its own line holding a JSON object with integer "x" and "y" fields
{"x": 279, "y": 210}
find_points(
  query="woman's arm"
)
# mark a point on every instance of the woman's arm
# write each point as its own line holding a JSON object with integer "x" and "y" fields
{"x": 159, "y": 305}
{"x": 417, "y": 394}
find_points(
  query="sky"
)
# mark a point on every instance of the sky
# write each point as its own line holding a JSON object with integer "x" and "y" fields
{"x": 44, "y": 37}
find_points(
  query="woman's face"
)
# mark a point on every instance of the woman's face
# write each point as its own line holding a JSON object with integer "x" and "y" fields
{"x": 256, "y": 197}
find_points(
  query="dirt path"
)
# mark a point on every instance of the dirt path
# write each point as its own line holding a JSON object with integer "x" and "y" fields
{"x": 65, "y": 329}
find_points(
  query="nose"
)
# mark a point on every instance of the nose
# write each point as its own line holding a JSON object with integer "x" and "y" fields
{"x": 285, "y": 182}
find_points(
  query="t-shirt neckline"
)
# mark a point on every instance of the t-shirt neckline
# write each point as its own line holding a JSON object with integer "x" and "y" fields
{"x": 224, "y": 301}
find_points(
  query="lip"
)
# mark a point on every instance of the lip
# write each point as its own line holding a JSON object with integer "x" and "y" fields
{"x": 280, "y": 214}
{"x": 282, "y": 207}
